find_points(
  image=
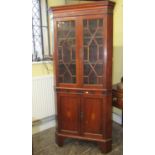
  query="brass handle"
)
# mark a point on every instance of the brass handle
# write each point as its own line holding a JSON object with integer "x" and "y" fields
{"x": 86, "y": 92}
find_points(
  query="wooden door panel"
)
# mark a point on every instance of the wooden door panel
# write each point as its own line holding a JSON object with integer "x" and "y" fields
{"x": 69, "y": 106}
{"x": 92, "y": 114}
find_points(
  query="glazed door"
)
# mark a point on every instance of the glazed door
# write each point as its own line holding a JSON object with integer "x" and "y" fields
{"x": 66, "y": 52}
{"x": 93, "y": 51}
{"x": 68, "y": 113}
{"x": 92, "y": 110}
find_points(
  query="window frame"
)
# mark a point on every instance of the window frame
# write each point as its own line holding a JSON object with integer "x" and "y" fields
{"x": 48, "y": 55}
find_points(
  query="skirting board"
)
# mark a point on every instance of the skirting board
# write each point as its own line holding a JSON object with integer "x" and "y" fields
{"x": 117, "y": 118}
{"x": 43, "y": 124}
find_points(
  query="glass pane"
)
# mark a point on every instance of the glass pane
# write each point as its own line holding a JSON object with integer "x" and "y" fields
{"x": 93, "y": 51}
{"x": 66, "y": 52}
{"x": 36, "y": 31}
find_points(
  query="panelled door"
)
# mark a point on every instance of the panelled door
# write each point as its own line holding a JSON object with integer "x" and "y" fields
{"x": 92, "y": 110}
{"x": 80, "y": 114}
{"x": 69, "y": 113}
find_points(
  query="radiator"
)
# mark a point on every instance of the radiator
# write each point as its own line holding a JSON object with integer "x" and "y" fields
{"x": 43, "y": 100}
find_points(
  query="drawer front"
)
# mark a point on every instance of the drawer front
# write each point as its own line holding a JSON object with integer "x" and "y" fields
{"x": 84, "y": 91}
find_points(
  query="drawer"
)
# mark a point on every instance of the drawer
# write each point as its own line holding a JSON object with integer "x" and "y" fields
{"x": 84, "y": 91}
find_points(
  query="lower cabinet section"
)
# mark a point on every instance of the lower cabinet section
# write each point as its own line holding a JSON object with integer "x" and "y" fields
{"x": 83, "y": 116}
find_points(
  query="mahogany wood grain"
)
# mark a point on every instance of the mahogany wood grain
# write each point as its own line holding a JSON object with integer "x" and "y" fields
{"x": 69, "y": 108}
{"x": 92, "y": 114}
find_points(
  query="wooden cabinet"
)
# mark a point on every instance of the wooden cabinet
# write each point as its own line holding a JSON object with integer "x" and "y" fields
{"x": 83, "y": 71}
